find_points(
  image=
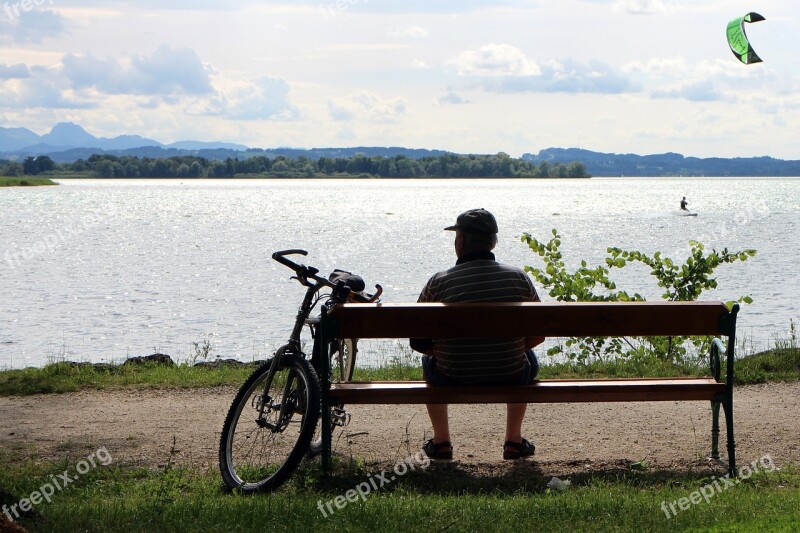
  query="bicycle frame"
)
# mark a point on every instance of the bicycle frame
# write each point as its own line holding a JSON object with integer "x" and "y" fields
{"x": 292, "y": 346}
{"x": 306, "y": 276}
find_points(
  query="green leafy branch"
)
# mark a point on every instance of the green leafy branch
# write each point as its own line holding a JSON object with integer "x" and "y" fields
{"x": 682, "y": 282}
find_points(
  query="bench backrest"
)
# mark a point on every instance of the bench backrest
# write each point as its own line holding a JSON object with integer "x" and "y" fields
{"x": 549, "y": 319}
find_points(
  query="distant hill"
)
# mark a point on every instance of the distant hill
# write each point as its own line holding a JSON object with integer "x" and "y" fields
{"x": 369, "y": 151}
{"x": 16, "y": 138}
{"x": 668, "y": 164}
{"x": 67, "y": 142}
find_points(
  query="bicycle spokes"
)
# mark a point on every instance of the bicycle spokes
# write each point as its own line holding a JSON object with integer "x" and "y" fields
{"x": 269, "y": 426}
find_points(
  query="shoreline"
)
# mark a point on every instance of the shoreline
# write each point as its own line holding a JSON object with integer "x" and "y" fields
{"x": 25, "y": 182}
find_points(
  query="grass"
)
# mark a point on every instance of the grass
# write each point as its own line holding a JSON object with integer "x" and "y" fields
{"x": 118, "y": 498}
{"x": 65, "y": 377}
{"x": 779, "y": 364}
{"x": 124, "y": 497}
{"x": 24, "y": 182}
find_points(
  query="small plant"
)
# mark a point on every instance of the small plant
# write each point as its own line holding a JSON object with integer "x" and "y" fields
{"x": 201, "y": 350}
{"x": 681, "y": 282}
{"x": 169, "y": 481}
{"x": 584, "y": 285}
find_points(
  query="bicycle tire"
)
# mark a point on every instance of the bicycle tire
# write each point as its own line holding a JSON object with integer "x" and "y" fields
{"x": 343, "y": 362}
{"x": 254, "y": 458}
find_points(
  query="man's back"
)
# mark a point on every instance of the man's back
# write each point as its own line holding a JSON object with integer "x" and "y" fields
{"x": 479, "y": 278}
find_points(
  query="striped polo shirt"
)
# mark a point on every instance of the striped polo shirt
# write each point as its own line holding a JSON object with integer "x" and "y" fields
{"x": 479, "y": 278}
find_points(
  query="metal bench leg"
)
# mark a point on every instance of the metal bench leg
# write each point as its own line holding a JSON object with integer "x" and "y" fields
{"x": 325, "y": 385}
{"x": 715, "y": 430}
{"x": 728, "y": 407}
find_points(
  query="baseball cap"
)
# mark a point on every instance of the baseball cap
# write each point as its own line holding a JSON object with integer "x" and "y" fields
{"x": 475, "y": 221}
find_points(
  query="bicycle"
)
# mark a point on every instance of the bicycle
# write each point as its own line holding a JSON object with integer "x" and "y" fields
{"x": 272, "y": 420}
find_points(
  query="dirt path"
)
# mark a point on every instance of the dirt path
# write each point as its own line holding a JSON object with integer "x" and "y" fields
{"x": 137, "y": 427}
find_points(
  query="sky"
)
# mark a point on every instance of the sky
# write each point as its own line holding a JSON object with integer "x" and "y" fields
{"x": 470, "y": 76}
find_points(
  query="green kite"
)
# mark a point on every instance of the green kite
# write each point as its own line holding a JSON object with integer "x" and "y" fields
{"x": 737, "y": 39}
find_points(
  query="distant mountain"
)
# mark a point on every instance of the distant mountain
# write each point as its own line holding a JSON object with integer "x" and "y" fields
{"x": 70, "y": 135}
{"x": 68, "y": 142}
{"x": 124, "y": 142}
{"x": 66, "y": 137}
{"x": 368, "y": 151}
{"x": 667, "y": 164}
{"x": 16, "y": 138}
{"x": 199, "y": 145}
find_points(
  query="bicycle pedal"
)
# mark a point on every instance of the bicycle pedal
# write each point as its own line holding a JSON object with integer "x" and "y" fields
{"x": 340, "y": 417}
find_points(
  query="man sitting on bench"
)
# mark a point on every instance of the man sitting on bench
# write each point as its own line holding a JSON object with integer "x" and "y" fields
{"x": 477, "y": 277}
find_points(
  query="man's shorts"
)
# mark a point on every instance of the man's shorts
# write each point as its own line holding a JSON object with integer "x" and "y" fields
{"x": 431, "y": 375}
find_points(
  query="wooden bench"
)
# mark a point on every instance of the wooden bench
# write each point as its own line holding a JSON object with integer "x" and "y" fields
{"x": 550, "y": 319}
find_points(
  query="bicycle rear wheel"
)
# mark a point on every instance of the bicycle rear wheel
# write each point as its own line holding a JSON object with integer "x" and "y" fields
{"x": 269, "y": 426}
{"x": 342, "y": 361}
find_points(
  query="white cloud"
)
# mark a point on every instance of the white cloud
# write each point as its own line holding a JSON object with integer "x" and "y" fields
{"x": 412, "y": 32}
{"x": 14, "y": 71}
{"x": 646, "y": 7}
{"x": 695, "y": 91}
{"x": 261, "y": 99}
{"x": 167, "y": 71}
{"x": 33, "y": 25}
{"x": 41, "y": 90}
{"x": 659, "y": 66}
{"x": 564, "y": 76}
{"x": 676, "y": 78}
{"x": 495, "y": 60}
{"x": 267, "y": 73}
{"x": 366, "y": 106}
{"x": 452, "y": 98}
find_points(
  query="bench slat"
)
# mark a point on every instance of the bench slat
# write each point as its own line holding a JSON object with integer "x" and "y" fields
{"x": 550, "y": 319}
{"x": 545, "y": 391}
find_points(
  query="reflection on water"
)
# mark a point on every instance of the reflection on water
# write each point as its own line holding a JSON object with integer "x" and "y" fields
{"x": 102, "y": 269}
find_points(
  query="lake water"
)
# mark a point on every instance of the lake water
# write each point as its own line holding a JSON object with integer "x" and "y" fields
{"x": 99, "y": 270}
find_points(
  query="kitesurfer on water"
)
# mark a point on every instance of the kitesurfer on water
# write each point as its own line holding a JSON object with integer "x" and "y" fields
{"x": 684, "y": 203}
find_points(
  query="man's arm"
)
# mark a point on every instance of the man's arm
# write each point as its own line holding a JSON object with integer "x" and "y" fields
{"x": 424, "y": 346}
{"x": 530, "y": 342}
{"x": 421, "y": 345}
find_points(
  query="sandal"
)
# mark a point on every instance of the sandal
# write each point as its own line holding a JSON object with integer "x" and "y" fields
{"x": 435, "y": 451}
{"x": 521, "y": 449}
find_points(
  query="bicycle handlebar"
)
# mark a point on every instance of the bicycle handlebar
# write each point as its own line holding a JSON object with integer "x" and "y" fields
{"x": 279, "y": 257}
{"x": 304, "y": 272}
{"x": 367, "y": 298}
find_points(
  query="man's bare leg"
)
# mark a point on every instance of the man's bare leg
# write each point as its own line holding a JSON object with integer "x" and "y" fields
{"x": 514, "y": 417}
{"x": 439, "y": 420}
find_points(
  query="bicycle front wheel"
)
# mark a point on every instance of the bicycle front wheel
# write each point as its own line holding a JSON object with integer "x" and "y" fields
{"x": 269, "y": 425}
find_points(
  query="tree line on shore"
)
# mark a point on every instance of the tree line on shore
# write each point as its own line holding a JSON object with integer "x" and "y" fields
{"x": 500, "y": 165}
